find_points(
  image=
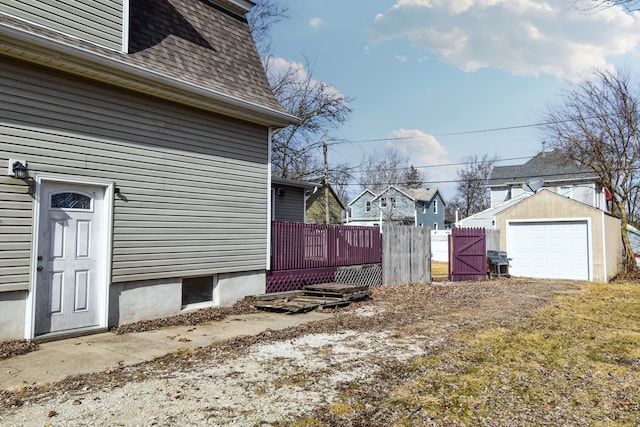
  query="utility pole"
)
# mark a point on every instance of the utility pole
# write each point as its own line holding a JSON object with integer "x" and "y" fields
{"x": 327, "y": 219}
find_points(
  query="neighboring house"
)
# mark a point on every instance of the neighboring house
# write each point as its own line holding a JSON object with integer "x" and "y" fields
{"x": 419, "y": 207}
{"x": 144, "y": 128}
{"x": 317, "y": 207}
{"x": 547, "y": 235}
{"x": 634, "y": 238}
{"x": 288, "y": 199}
{"x": 560, "y": 175}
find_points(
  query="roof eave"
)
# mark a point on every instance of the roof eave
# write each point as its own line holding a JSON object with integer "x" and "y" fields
{"x": 50, "y": 53}
{"x": 239, "y": 6}
{"x": 293, "y": 183}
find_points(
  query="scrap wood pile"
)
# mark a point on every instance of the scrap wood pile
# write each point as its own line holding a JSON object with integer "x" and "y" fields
{"x": 312, "y": 297}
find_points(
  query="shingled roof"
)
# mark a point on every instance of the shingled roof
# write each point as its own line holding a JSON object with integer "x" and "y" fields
{"x": 549, "y": 165}
{"x": 421, "y": 194}
{"x": 193, "y": 45}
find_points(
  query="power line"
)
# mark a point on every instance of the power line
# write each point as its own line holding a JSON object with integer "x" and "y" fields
{"x": 337, "y": 141}
{"x": 453, "y": 164}
{"x": 503, "y": 180}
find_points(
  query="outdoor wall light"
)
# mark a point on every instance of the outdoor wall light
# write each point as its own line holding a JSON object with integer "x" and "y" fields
{"x": 20, "y": 170}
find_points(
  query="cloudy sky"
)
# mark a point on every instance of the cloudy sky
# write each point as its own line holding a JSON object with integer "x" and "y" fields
{"x": 440, "y": 80}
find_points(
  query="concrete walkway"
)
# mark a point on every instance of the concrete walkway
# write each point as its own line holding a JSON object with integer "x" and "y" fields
{"x": 56, "y": 360}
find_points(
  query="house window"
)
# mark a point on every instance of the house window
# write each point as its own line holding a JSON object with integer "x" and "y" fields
{"x": 383, "y": 202}
{"x": 435, "y": 206}
{"x": 368, "y": 206}
{"x": 565, "y": 191}
{"x": 393, "y": 202}
{"x": 196, "y": 290}
{"x": 435, "y": 226}
{"x": 424, "y": 208}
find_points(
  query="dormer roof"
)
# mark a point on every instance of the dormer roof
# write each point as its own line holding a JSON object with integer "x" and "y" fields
{"x": 549, "y": 165}
{"x": 415, "y": 194}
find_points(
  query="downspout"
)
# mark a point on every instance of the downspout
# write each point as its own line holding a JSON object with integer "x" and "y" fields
{"x": 125, "y": 26}
{"x": 415, "y": 214}
{"x": 269, "y": 201}
{"x": 604, "y": 250}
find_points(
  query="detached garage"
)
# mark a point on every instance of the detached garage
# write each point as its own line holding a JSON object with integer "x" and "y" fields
{"x": 551, "y": 236}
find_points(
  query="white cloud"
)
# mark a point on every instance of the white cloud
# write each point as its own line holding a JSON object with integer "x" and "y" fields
{"x": 315, "y": 22}
{"x": 279, "y": 66}
{"x": 523, "y": 37}
{"x": 423, "y": 149}
{"x": 401, "y": 58}
{"x": 295, "y": 73}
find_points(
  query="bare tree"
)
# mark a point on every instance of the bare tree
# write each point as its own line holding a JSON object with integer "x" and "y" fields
{"x": 262, "y": 17}
{"x": 296, "y": 149}
{"x": 413, "y": 178}
{"x": 596, "y": 125}
{"x": 389, "y": 168}
{"x": 319, "y": 108}
{"x": 471, "y": 192}
{"x": 629, "y": 5}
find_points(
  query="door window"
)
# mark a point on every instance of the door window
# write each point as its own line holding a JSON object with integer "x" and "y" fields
{"x": 70, "y": 200}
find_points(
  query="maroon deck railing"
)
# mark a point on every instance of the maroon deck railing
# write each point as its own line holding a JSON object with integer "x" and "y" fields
{"x": 302, "y": 246}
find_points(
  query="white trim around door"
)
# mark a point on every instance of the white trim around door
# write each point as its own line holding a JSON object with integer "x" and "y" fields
{"x": 70, "y": 256}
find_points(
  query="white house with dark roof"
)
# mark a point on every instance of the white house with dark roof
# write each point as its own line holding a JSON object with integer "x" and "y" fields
{"x": 559, "y": 173}
{"x": 419, "y": 207}
{"x": 134, "y": 140}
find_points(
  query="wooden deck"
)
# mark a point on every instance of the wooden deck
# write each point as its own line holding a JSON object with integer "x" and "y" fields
{"x": 312, "y": 297}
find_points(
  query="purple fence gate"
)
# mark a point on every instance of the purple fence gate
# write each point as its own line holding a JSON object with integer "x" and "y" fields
{"x": 305, "y": 254}
{"x": 467, "y": 254}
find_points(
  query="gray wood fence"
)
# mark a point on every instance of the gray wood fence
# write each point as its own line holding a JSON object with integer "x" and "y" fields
{"x": 406, "y": 254}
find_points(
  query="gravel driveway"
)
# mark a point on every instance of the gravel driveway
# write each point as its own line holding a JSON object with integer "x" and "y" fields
{"x": 276, "y": 377}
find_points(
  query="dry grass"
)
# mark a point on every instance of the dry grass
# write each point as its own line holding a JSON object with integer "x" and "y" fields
{"x": 575, "y": 362}
{"x": 503, "y": 352}
{"x": 439, "y": 268}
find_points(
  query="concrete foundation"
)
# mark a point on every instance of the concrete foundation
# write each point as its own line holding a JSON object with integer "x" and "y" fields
{"x": 131, "y": 302}
{"x": 12, "y": 315}
{"x": 232, "y": 287}
{"x": 151, "y": 299}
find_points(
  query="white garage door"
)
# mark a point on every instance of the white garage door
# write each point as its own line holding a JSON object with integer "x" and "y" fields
{"x": 549, "y": 250}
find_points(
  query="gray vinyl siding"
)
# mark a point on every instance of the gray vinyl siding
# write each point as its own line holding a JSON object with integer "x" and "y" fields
{"x": 15, "y": 233}
{"x": 99, "y": 22}
{"x": 193, "y": 185}
{"x": 289, "y": 207}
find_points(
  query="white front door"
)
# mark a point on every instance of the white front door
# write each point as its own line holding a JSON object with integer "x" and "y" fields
{"x": 70, "y": 288}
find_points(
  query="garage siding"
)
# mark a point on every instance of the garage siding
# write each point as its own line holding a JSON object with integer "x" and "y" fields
{"x": 549, "y": 249}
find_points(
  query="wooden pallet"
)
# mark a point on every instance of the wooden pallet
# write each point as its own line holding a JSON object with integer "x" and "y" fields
{"x": 312, "y": 297}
